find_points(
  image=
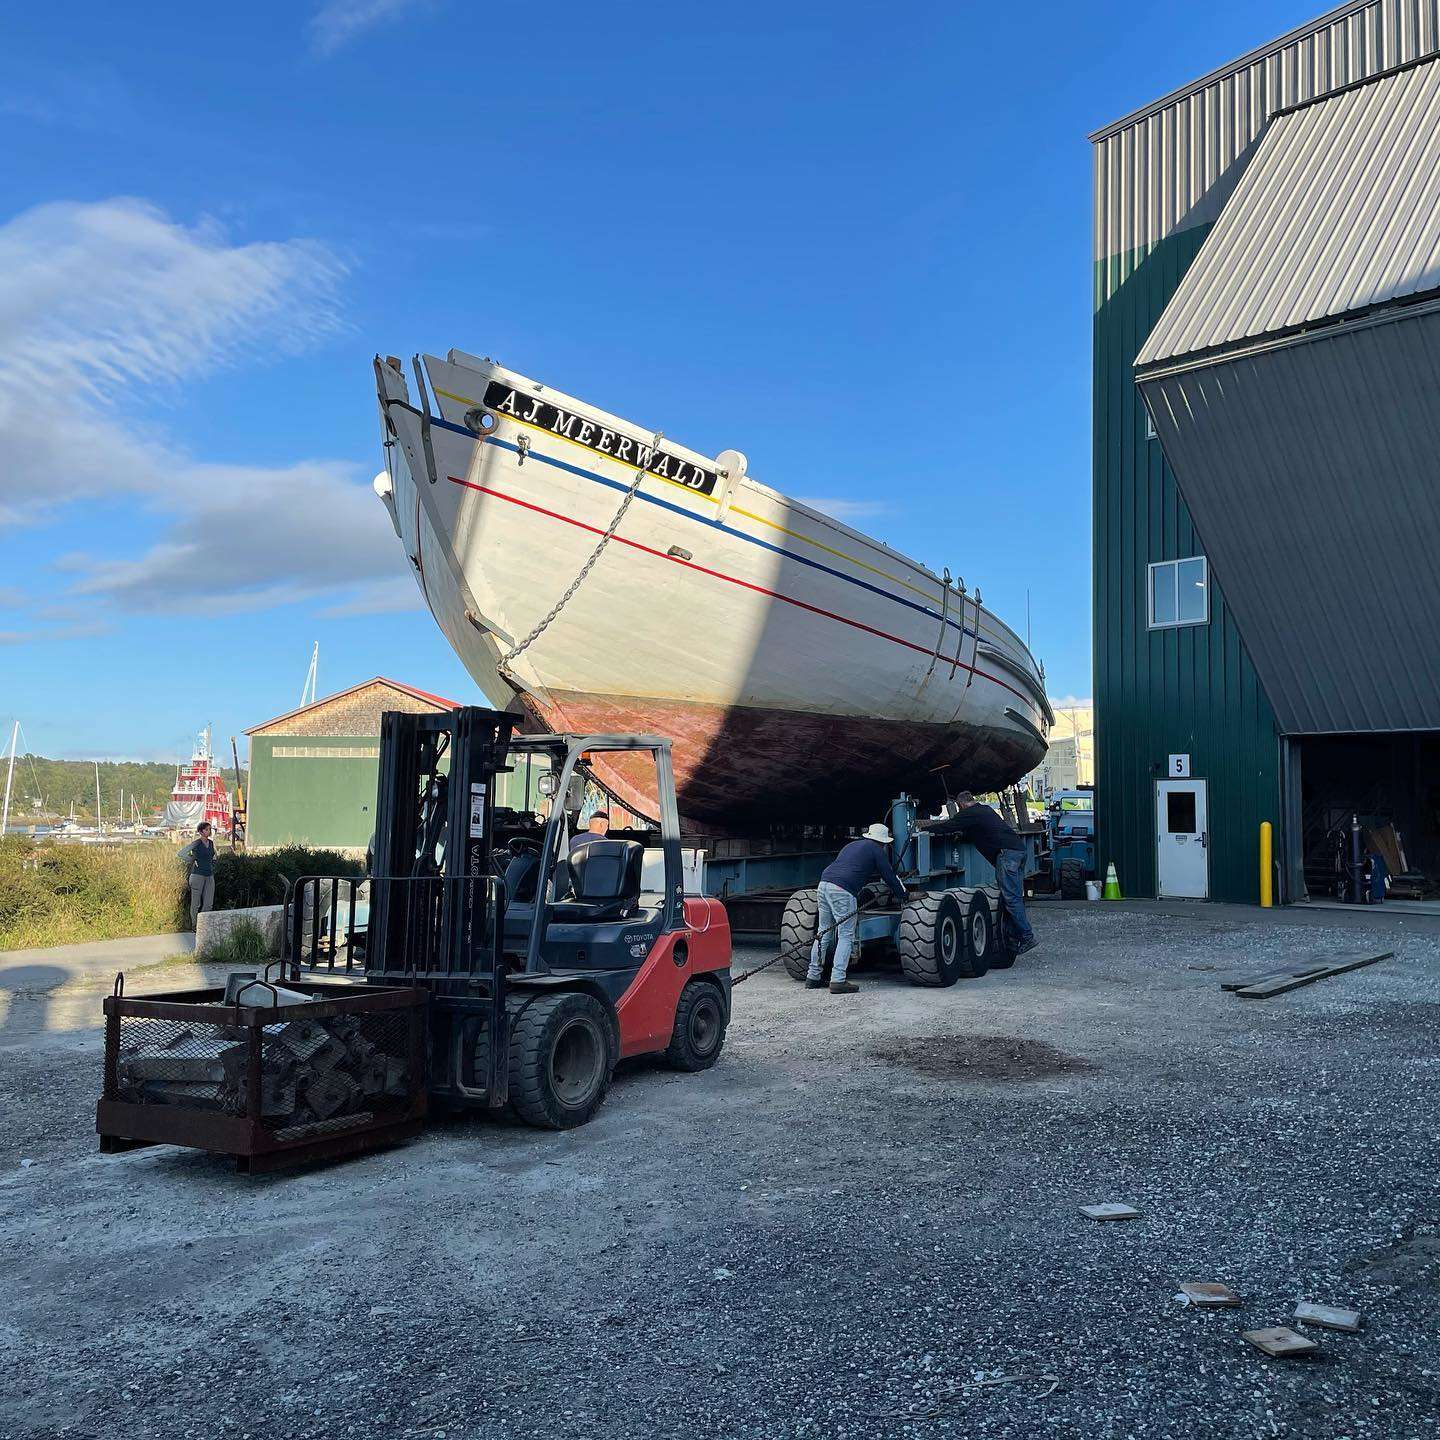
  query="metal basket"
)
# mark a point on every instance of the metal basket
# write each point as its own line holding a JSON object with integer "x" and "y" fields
{"x": 272, "y": 1085}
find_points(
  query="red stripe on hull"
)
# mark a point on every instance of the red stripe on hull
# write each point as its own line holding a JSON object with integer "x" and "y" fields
{"x": 745, "y": 585}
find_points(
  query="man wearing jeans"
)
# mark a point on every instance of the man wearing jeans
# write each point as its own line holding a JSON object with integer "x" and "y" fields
{"x": 999, "y": 843}
{"x": 841, "y": 882}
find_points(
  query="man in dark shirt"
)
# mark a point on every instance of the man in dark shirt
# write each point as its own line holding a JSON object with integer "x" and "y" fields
{"x": 597, "y": 828}
{"x": 999, "y": 843}
{"x": 200, "y": 852}
{"x": 841, "y": 882}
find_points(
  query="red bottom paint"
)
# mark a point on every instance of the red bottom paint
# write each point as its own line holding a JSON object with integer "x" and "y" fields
{"x": 738, "y": 766}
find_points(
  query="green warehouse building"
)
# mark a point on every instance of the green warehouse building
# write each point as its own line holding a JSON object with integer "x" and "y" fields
{"x": 314, "y": 772}
{"x": 1266, "y": 482}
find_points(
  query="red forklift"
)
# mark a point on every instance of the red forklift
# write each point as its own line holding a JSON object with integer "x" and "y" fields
{"x": 487, "y": 961}
{"x": 546, "y": 961}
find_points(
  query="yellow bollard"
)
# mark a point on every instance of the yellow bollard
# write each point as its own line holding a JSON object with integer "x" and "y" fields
{"x": 1266, "y": 869}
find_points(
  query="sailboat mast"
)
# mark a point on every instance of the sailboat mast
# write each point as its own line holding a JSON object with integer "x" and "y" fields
{"x": 9, "y": 779}
{"x": 99, "y": 828}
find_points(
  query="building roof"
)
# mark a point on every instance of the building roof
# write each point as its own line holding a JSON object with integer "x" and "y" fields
{"x": 1337, "y": 213}
{"x": 1330, "y": 20}
{"x": 438, "y": 701}
{"x": 1170, "y": 165}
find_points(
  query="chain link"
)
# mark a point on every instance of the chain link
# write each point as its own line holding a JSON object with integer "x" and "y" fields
{"x": 504, "y": 663}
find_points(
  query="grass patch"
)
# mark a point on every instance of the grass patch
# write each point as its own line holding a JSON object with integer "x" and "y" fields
{"x": 243, "y": 945}
{"x": 53, "y": 894}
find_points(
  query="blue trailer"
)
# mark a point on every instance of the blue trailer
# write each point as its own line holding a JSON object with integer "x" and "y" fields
{"x": 1069, "y": 858}
{"x": 952, "y": 926}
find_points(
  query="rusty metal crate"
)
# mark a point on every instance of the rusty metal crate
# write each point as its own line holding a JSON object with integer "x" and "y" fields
{"x": 273, "y": 1086}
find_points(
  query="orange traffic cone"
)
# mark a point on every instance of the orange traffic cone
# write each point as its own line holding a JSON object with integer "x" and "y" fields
{"x": 1112, "y": 885}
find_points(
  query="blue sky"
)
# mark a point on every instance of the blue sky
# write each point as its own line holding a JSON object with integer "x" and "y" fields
{"x": 852, "y": 243}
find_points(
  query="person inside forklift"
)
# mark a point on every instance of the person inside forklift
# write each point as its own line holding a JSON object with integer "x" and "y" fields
{"x": 999, "y": 843}
{"x": 597, "y": 828}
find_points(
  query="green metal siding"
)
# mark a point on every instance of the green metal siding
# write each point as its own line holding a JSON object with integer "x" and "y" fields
{"x": 311, "y": 800}
{"x": 1190, "y": 690}
{"x": 329, "y": 802}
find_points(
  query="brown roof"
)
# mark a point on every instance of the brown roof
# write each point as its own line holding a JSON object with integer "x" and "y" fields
{"x": 438, "y": 701}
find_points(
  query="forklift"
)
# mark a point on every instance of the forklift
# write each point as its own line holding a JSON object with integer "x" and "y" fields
{"x": 548, "y": 957}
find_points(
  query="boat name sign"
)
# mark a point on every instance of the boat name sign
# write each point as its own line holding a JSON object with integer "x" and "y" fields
{"x": 531, "y": 410}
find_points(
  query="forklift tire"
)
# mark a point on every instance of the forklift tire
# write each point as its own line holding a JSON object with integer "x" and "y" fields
{"x": 699, "y": 1033}
{"x": 1072, "y": 880}
{"x": 931, "y": 941}
{"x": 562, "y": 1055}
{"x": 797, "y": 931}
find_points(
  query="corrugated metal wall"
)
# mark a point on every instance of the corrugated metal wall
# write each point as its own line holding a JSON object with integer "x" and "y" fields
{"x": 1161, "y": 692}
{"x": 1161, "y": 177}
{"x": 1171, "y": 165}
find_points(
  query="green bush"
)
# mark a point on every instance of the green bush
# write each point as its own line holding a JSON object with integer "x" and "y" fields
{"x": 54, "y": 894}
{"x": 243, "y": 880}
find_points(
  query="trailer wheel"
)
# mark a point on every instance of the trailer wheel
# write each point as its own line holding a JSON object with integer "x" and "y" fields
{"x": 931, "y": 941}
{"x": 561, "y": 1060}
{"x": 797, "y": 931}
{"x": 1072, "y": 880}
{"x": 699, "y": 1033}
{"x": 980, "y": 945}
{"x": 1004, "y": 947}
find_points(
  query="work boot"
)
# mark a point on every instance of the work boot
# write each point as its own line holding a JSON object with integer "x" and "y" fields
{"x": 1026, "y": 945}
{"x": 815, "y": 984}
{"x": 844, "y": 987}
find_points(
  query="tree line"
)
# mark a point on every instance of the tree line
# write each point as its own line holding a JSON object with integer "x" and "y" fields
{"x": 46, "y": 789}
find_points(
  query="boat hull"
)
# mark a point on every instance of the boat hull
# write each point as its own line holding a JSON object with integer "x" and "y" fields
{"x": 802, "y": 670}
{"x": 737, "y": 767}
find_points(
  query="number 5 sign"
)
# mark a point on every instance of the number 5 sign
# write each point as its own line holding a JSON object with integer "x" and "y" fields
{"x": 1179, "y": 767}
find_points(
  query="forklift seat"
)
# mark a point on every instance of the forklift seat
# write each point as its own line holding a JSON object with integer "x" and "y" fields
{"x": 605, "y": 882}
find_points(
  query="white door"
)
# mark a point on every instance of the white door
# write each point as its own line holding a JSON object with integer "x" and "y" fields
{"x": 1181, "y": 843}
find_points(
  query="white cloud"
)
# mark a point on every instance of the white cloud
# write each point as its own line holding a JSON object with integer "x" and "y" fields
{"x": 337, "y": 22}
{"x": 842, "y": 509}
{"x": 103, "y": 304}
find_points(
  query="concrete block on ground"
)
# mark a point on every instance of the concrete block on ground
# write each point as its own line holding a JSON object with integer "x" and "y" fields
{"x": 214, "y": 926}
{"x": 1280, "y": 1342}
{"x": 1110, "y": 1211}
{"x": 1332, "y": 1317}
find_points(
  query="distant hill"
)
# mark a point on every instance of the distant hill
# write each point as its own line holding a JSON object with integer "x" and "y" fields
{"x": 57, "y": 784}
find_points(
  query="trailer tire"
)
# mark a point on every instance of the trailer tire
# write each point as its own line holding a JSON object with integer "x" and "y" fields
{"x": 979, "y": 935}
{"x": 797, "y": 931}
{"x": 699, "y": 1033}
{"x": 931, "y": 941}
{"x": 1072, "y": 880}
{"x": 562, "y": 1055}
{"x": 1004, "y": 948}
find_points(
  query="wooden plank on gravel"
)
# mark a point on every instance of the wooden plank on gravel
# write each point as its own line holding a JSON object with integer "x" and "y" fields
{"x": 1243, "y": 982}
{"x": 1265, "y": 989}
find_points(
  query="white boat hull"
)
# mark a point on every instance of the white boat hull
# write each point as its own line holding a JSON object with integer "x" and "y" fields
{"x": 803, "y": 670}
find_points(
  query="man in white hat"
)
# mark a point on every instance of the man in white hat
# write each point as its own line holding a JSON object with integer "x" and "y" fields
{"x": 841, "y": 882}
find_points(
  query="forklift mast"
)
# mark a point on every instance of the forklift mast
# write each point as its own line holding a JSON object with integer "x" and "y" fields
{"x": 438, "y": 917}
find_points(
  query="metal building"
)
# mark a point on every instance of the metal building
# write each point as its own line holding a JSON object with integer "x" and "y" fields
{"x": 314, "y": 771}
{"x": 1266, "y": 482}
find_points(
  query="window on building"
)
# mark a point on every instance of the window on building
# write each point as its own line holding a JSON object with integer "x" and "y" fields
{"x": 1150, "y": 431}
{"x": 1179, "y": 593}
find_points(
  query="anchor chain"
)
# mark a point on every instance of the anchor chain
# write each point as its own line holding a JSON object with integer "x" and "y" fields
{"x": 503, "y": 665}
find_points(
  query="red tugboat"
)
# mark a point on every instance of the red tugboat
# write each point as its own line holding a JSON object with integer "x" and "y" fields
{"x": 199, "y": 793}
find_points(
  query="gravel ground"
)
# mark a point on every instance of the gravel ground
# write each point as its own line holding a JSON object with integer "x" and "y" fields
{"x": 861, "y": 1223}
